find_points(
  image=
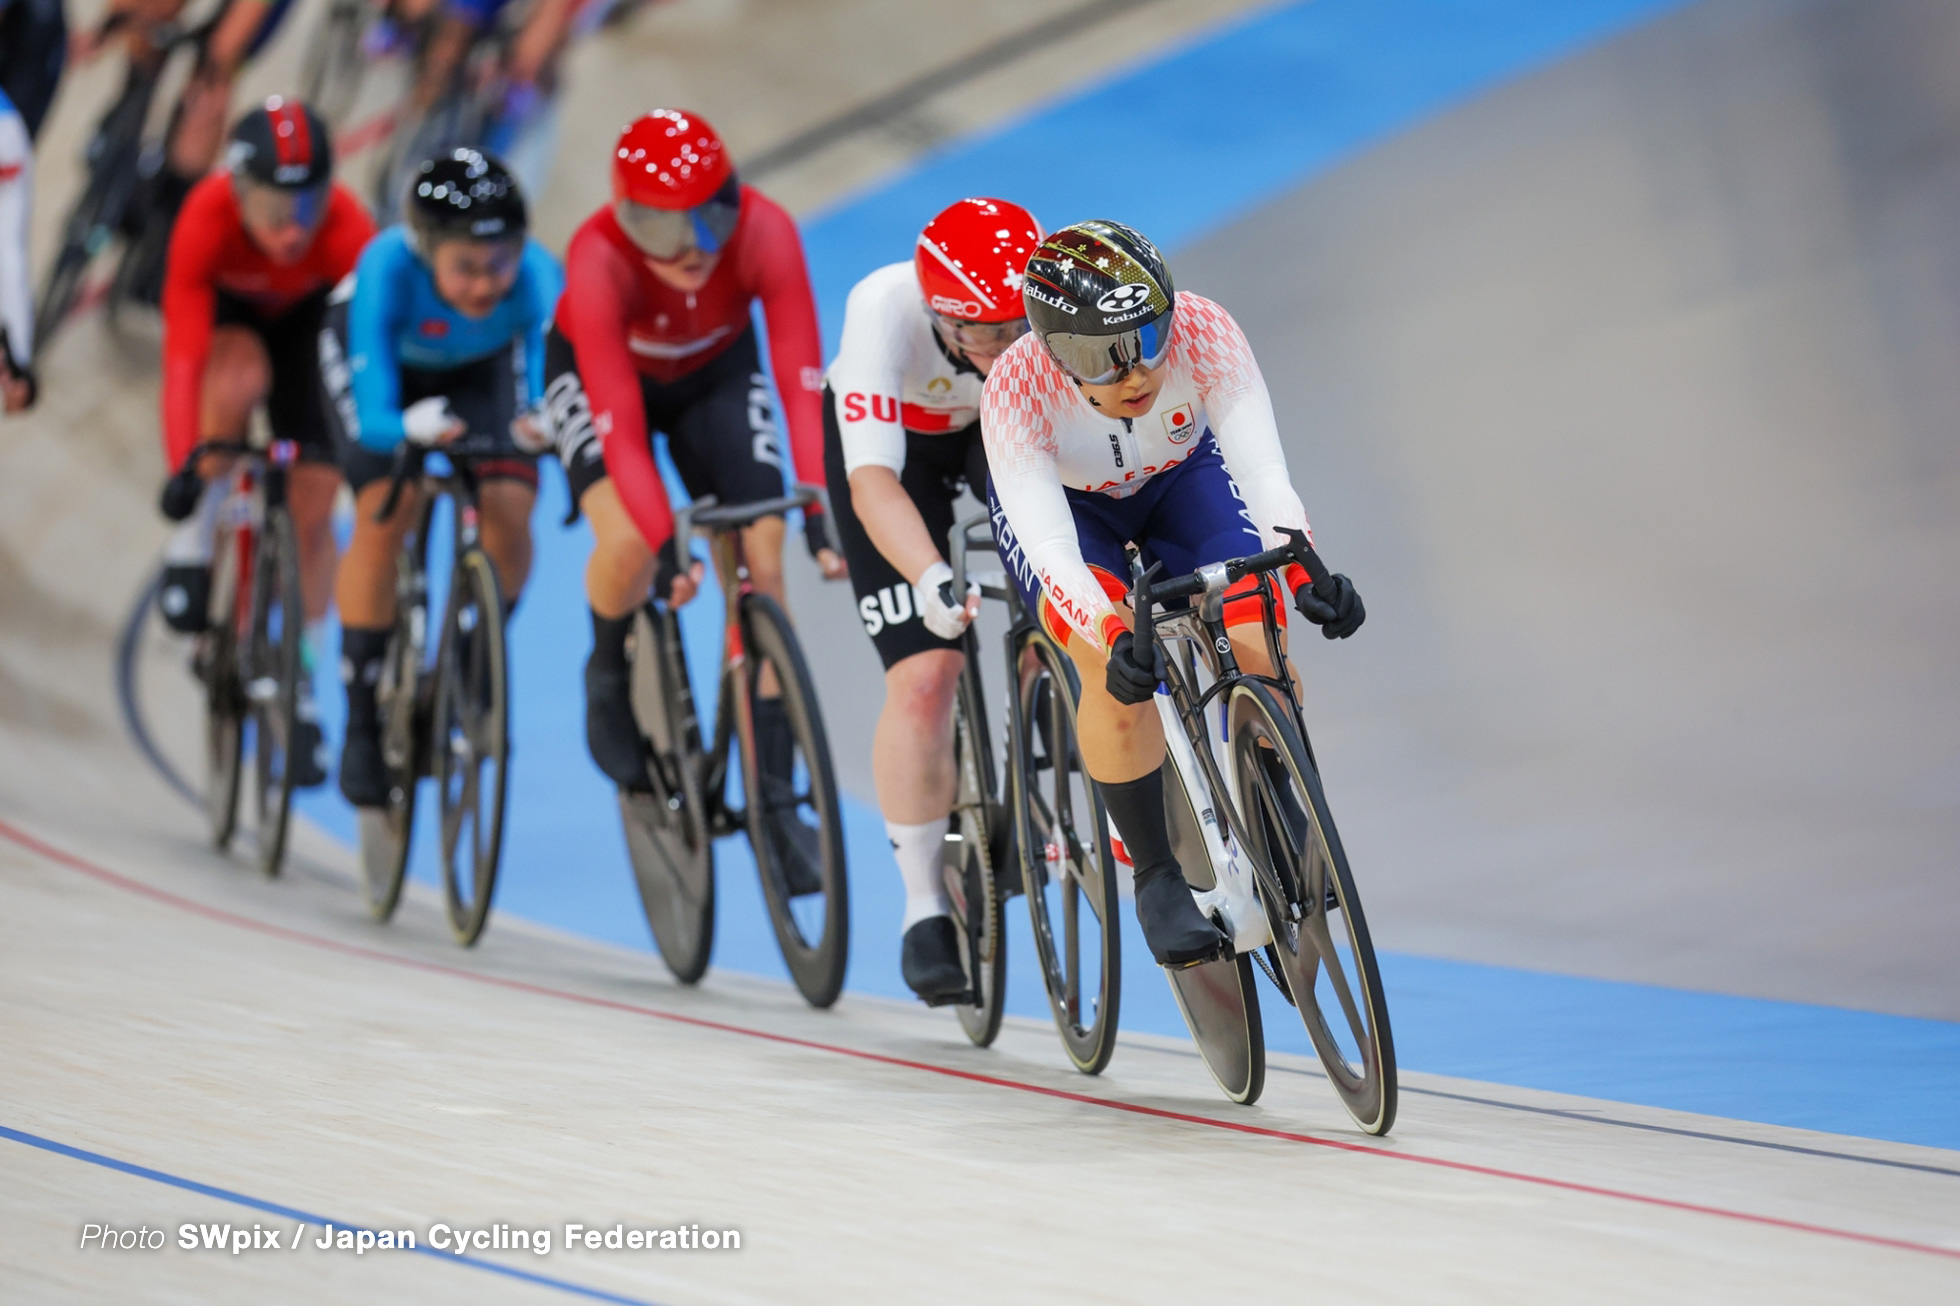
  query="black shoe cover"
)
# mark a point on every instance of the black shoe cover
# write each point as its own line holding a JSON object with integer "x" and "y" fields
{"x": 930, "y": 961}
{"x": 798, "y": 846}
{"x": 611, "y": 733}
{"x": 184, "y": 597}
{"x": 1177, "y": 932}
{"x": 304, "y": 755}
{"x": 363, "y": 775}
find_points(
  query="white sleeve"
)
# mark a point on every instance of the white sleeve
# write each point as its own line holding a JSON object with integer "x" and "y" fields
{"x": 1023, "y": 389}
{"x": 1241, "y": 412}
{"x": 16, "y": 206}
{"x": 867, "y": 375}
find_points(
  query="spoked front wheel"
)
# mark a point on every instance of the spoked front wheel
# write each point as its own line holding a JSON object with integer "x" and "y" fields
{"x": 1066, "y": 863}
{"x": 470, "y": 742}
{"x": 224, "y": 695}
{"x": 271, "y": 672}
{"x": 668, "y": 833}
{"x": 972, "y": 878}
{"x": 402, "y": 697}
{"x": 1320, "y": 937}
{"x": 794, "y": 824}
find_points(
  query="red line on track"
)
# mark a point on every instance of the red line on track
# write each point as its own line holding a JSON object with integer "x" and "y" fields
{"x": 165, "y": 897}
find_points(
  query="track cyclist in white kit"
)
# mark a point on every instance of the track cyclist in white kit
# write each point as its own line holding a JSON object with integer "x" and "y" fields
{"x": 1136, "y": 415}
{"x": 901, "y": 434}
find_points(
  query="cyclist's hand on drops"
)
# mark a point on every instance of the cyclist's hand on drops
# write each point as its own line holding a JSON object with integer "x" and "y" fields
{"x": 1129, "y": 679}
{"x": 669, "y": 581}
{"x": 816, "y": 538}
{"x": 1338, "y": 619}
{"x": 181, "y": 493}
{"x": 944, "y": 615}
{"x": 430, "y": 422}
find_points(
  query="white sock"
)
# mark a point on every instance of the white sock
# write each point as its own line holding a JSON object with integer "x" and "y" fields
{"x": 190, "y": 542}
{"x": 919, "y": 849}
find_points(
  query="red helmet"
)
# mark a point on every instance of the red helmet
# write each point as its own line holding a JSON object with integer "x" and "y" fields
{"x": 669, "y": 159}
{"x": 970, "y": 257}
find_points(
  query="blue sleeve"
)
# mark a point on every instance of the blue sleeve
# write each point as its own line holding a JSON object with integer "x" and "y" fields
{"x": 373, "y": 320}
{"x": 546, "y": 282}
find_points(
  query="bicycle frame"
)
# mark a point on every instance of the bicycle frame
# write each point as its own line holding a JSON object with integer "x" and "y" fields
{"x": 1199, "y": 633}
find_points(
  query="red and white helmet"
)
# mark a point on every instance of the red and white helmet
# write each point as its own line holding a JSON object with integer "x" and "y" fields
{"x": 969, "y": 260}
{"x": 669, "y": 159}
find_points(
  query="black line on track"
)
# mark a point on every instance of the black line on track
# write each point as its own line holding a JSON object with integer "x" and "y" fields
{"x": 907, "y": 96}
{"x": 1592, "y": 1118}
{"x": 127, "y": 645}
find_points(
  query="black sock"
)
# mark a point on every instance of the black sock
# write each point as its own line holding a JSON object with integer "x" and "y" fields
{"x": 361, "y": 651}
{"x": 609, "y": 641}
{"x": 775, "y": 745}
{"x": 1137, "y": 807}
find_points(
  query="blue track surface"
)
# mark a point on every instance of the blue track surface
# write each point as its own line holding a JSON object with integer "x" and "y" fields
{"x": 1223, "y": 125}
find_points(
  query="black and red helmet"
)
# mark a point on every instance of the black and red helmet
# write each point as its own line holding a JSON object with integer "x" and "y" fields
{"x": 283, "y": 144}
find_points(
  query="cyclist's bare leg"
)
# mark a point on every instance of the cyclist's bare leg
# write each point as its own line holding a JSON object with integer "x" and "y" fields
{"x": 237, "y": 377}
{"x": 620, "y": 570}
{"x": 507, "y": 508}
{"x": 912, "y": 751}
{"x": 206, "y": 103}
{"x": 441, "y": 60}
{"x": 310, "y": 491}
{"x": 365, "y": 591}
{"x": 1122, "y": 742}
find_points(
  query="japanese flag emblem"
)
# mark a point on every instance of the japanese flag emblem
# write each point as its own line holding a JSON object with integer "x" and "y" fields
{"x": 1180, "y": 423}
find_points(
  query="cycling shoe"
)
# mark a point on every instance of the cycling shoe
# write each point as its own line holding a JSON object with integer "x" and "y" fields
{"x": 930, "y": 962}
{"x": 184, "y": 597}
{"x": 363, "y": 774}
{"x": 306, "y": 753}
{"x": 611, "y": 734}
{"x": 1177, "y": 932}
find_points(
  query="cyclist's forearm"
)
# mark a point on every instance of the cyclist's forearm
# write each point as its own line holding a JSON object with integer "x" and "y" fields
{"x": 1038, "y": 513}
{"x": 892, "y": 521}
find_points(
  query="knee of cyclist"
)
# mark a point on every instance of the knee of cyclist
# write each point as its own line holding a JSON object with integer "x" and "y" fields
{"x": 921, "y": 688}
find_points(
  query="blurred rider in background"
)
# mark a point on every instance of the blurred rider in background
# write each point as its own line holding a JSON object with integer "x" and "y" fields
{"x": 17, "y": 385}
{"x": 262, "y": 243}
{"x": 654, "y": 334}
{"x": 438, "y": 334}
{"x": 198, "y": 131}
{"x": 901, "y": 436}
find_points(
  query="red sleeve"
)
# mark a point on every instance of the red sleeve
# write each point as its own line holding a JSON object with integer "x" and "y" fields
{"x": 782, "y": 283}
{"x": 346, "y": 233}
{"x": 190, "y": 303}
{"x": 593, "y": 314}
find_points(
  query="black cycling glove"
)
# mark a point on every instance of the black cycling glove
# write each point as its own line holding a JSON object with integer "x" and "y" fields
{"x": 666, "y": 570}
{"x": 1129, "y": 678}
{"x": 181, "y": 492}
{"x": 816, "y": 532}
{"x": 1337, "y": 619}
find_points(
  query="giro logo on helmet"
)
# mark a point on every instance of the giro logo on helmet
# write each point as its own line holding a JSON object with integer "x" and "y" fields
{"x": 1124, "y": 298}
{"x": 963, "y": 308}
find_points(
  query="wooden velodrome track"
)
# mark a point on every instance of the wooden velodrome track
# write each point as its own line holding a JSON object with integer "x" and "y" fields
{"x": 184, "y": 1043}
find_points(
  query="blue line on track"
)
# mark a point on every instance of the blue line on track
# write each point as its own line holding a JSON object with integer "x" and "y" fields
{"x": 294, "y": 1213}
{"x": 1202, "y": 136}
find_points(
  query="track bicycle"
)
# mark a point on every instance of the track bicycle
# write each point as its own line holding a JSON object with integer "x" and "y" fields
{"x": 248, "y": 656}
{"x": 792, "y": 820}
{"x": 1251, "y": 828}
{"x": 120, "y": 154}
{"x": 445, "y": 713}
{"x": 1044, "y": 827}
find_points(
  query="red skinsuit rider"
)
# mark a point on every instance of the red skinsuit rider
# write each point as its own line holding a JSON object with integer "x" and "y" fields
{"x": 624, "y": 322}
{"x": 210, "y": 253}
